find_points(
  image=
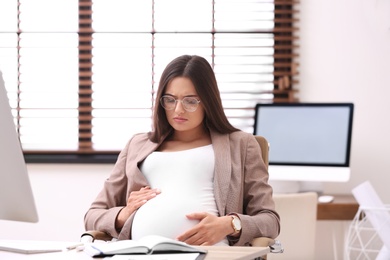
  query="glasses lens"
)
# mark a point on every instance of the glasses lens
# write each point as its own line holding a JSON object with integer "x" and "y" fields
{"x": 168, "y": 103}
{"x": 190, "y": 103}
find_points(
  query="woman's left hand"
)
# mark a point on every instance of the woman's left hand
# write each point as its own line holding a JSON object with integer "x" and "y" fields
{"x": 209, "y": 231}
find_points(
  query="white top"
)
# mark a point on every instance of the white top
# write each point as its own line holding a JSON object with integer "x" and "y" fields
{"x": 185, "y": 179}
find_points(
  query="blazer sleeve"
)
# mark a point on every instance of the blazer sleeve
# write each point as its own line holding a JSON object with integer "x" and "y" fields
{"x": 113, "y": 197}
{"x": 256, "y": 208}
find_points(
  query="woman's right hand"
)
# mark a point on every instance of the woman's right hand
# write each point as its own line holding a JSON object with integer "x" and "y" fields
{"x": 134, "y": 202}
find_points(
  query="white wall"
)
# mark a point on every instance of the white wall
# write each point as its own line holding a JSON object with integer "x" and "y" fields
{"x": 63, "y": 193}
{"x": 345, "y": 56}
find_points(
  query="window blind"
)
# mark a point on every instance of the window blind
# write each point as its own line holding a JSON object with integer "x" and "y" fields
{"x": 81, "y": 75}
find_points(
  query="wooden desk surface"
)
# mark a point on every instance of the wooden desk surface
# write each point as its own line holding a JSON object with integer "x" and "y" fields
{"x": 343, "y": 207}
{"x": 234, "y": 252}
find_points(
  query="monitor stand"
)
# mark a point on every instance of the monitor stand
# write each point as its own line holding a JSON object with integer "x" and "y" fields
{"x": 280, "y": 186}
{"x": 295, "y": 178}
{"x": 315, "y": 186}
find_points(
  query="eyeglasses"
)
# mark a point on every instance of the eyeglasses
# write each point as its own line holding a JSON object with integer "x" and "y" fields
{"x": 190, "y": 104}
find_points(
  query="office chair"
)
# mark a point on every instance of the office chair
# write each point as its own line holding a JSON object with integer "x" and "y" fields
{"x": 274, "y": 245}
{"x": 296, "y": 210}
{"x": 298, "y": 215}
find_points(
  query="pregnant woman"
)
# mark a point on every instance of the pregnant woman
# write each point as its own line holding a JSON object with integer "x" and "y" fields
{"x": 194, "y": 177}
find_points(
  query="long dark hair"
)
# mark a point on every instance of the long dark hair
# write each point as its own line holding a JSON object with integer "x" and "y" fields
{"x": 201, "y": 74}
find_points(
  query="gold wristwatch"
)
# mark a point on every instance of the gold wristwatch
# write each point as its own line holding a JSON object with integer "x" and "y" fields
{"x": 236, "y": 224}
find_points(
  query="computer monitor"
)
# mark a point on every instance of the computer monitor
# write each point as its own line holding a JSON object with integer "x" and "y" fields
{"x": 309, "y": 142}
{"x": 16, "y": 198}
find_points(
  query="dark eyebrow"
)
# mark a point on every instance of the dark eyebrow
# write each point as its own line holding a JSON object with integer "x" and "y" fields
{"x": 166, "y": 94}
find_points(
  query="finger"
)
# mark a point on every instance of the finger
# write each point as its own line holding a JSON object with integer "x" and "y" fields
{"x": 197, "y": 215}
{"x": 134, "y": 198}
{"x": 188, "y": 239}
{"x": 150, "y": 194}
{"x": 196, "y": 240}
{"x": 148, "y": 190}
{"x": 187, "y": 234}
{"x": 138, "y": 204}
{"x": 144, "y": 192}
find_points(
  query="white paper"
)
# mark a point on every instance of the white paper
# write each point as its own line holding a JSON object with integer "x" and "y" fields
{"x": 185, "y": 256}
{"x": 376, "y": 212}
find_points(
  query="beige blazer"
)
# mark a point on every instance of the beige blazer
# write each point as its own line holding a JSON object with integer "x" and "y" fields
{"x": 240, "y": 186}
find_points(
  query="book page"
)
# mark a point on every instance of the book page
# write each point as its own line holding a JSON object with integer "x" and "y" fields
{"x": 178, "y": 256}
{"x": 145, "y": 245}
{"x": 117, "y": 247}
{"x": 158, "y": 243}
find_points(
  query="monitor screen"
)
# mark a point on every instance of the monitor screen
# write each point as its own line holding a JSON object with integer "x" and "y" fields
{"x": 16, "y": 198}
{"x": 306, "y": 134}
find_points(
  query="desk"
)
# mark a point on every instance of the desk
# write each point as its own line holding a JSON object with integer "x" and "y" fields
{"x": 235, "y": 252}
{"x": 214, "y": 253}
{"x": 343, "y": 207}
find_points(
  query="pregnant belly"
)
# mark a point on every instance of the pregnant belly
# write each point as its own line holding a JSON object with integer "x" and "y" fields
{"x": 165, "y": 216}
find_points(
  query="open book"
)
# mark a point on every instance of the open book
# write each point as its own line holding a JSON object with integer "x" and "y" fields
{"x": 152, "y": 244}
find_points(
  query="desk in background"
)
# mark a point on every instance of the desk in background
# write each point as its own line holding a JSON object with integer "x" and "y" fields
{"x": 333, "y": 222}
{"x": 343, "y": 207}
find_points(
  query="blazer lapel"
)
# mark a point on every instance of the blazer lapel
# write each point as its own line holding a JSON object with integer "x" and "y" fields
{"x": 145, "y": 150}
{"x": 222, "y": 172}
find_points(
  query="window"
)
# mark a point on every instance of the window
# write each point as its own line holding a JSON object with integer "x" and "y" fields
{"x": 81, "y": 75}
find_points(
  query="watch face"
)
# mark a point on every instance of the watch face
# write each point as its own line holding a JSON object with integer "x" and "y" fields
{"x": 237, "y": 223}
